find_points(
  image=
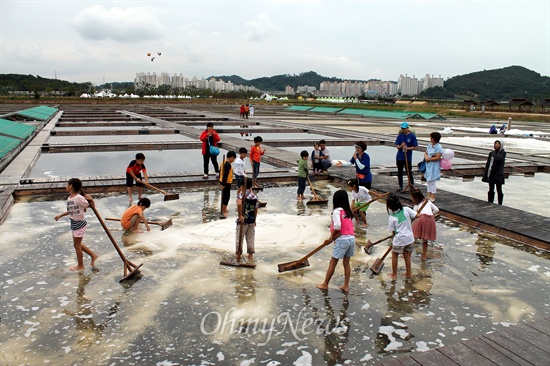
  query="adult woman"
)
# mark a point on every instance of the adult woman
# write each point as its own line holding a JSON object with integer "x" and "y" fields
{"x": 361, "y": 160}
{"x": 209, "y": 137}
{"x": 433, "y": 164}
{"x": 494, "y": 172}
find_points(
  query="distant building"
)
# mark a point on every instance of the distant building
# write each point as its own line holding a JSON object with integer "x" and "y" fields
{"x": 412, "y": 86}
{"x": 180, "y": 81}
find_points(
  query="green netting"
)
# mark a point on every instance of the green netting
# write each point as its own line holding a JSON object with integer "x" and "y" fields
{"x": 325, "y": 109}
{"x": 41, "y": 113}
{"x": 431, "y": 116}
{"x": 7, "y": 144}
{"x": 376, "y": 113}
{"x": 15, "y": 129}
{"x": 299, "y": 108}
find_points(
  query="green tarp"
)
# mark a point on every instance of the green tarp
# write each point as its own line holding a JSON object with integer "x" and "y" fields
{"x": 41, "y": 113}
{"x": 16, "y": 129}
{"x": 7, "y": 144}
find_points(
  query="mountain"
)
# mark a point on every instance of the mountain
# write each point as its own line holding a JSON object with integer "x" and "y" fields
{"x": 279, "y": 82}
{"x": 499, "y": 84}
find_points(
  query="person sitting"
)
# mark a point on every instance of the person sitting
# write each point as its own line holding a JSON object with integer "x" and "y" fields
{"x": 502, "y": 129}
{"x": 493, "y": 130}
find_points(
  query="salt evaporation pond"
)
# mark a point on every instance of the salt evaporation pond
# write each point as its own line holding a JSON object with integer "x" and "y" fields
{"x": 186, "y": 309}
{"x": 115, "y": 163}
{"x": 379, "y": 155}
{"x": 119, "y": 138}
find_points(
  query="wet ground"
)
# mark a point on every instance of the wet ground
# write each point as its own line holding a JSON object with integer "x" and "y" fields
{"x": 186, "y": 309}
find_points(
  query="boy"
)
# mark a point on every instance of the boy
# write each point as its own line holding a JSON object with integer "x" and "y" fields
{"x": 256, "y": 153}
{"x": 133, "y": 172}
{"x": 134, "y": 215}
{"x": 240, "y": 167}
{"x": 302, "y": 174}
{"x": 226, "y": 178}
{"x": 316, "y": 162}
{"x": 246, "y": 222}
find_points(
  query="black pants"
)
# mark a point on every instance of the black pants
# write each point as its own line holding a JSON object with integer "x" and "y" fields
{"x": 226, "y": 194}
{"x": 205, "y": 158}
{"x": 367, "y": 185}
{"x": 400, "y": 165}
{"x": 492, "y": 188}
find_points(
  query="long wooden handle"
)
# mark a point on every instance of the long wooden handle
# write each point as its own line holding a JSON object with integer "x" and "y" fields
{"x": 155, "y": 188}
{"x": 92, "y": 205}
{"x": 149, "y": 222}
{"x": 386, "y": 254}
{"x": 383, "y": 239}
{"x": 315, "y": 250}
{"x": 371, "y": 201}
{"x": 421, "y": 208}
{"x": 312, "y": 189}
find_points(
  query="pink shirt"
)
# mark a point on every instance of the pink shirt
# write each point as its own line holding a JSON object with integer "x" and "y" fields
{"x": 339, "y": 222}
{"x": 76, "y": 207}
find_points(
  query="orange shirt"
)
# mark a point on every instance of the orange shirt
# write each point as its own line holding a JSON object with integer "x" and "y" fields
{"x": 256, "y": 153}
{"x": 127, "y": 216}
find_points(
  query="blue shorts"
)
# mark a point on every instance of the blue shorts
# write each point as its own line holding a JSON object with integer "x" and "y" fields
{"x": 343, "y": 248}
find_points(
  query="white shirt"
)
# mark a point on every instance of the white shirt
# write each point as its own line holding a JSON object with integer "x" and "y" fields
{"x": 429, "y": 209}
{"x": 239, "y": 167}
{"x": 403, "y": 230}
{"x": 362, "y": 196}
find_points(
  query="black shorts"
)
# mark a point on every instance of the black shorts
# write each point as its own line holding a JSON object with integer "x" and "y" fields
{"x": 130, "y": 180}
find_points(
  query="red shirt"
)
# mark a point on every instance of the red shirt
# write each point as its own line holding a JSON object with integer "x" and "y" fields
{"x": 135, "y": 168}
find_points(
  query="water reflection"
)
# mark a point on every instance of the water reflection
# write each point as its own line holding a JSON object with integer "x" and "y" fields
{"x": 333, "y": 325}
{"x": 485, "y": 251}
{"x": 90, "y": 332}
{"x": 209, "y": 211}
{"x": 413, "y": 294}
{"x": 300, "y": 208}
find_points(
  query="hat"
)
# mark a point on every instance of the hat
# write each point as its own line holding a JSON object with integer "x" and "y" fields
{"x": 404, "y": 125}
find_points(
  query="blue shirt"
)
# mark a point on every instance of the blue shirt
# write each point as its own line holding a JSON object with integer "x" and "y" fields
{"x": 410, "y": 141}
{"x": 364, "y": 175}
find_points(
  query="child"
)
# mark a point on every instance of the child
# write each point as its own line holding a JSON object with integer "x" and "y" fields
{"x": 302, "y": 175}
{"x": 76, "y": 207}
{"x": 316, "y": 162}
{"x": 226, "y": 178}
{"x": 134, "y": 215}
{"x": 255, "y": 155}
{"x": 133, "y": 172}
{"x": 403, "y": 240}
{"x": 359, "y": 196}
{"x": 424, "y": 227}
{"x": 246, "y": 222}
{"x": 343, "y": 235}
{"x": 240, "y": 167}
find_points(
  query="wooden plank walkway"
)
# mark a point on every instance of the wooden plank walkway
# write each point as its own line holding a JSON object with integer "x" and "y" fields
{"x": 527, "y": 344}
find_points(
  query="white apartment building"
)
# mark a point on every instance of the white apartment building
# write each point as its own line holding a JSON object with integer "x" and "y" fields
{"x": 180, "y": 81}
{"x": 412, "y": 86}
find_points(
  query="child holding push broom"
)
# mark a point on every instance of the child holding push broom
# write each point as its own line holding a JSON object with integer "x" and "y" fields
{"x": 246, "y": 223}
{"x": 77, "y": 203}
{"x": 343, "y": 235}
{"x": 400, "y": 222}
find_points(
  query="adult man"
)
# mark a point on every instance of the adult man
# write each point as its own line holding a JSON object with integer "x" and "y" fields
{"x": 405, "y": 142}
{"x": 324, "y": 156}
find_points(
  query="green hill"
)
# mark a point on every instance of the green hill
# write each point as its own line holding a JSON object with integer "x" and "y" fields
{"x": 499, "y": 84}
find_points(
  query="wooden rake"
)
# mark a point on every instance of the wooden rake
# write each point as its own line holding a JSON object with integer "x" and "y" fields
{"x": 163, "y": 225}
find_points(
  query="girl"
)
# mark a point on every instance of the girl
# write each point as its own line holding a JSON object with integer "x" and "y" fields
{"x": 433, "y": 164}
{"x": 424, "y": 227}
{"x": 403, "y": 240}
{"x": 494, "y": 172}
{"x": 76, "y": 208}
{"x": 359, "y": 196}
{"x": 341, "y": 232}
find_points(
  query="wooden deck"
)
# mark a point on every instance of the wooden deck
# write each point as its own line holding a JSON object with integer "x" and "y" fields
{"x": 527, "y": 344}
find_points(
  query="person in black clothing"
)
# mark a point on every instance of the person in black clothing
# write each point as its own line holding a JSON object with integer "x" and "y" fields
{"x": 494, "y": 172}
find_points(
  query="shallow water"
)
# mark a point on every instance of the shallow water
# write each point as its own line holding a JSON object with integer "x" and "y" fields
{"x": 119, "y": 138}
{"x": 379, "y": 155}
{"x": 115, "y": 163}
{"x": 186, "y": 309}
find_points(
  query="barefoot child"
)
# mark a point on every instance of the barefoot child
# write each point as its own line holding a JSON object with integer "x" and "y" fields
{"x": 256, "y": 153}
{"x": 239, "y": 166}
{"x": 424, "y": 227}
{"x": 226, "y": 178}
{"x": 315, "y": 161}
{"x": 403, "y": 240}
{"x": 343, "y": 235}
{"x": 302, "y": 175}
{"x": 359, "y": 196}
{"x": 133, "y": 172}
{"x": 133, "y": 216}
{"x": 76, "y": 208}
{"x": 247, "y": 218}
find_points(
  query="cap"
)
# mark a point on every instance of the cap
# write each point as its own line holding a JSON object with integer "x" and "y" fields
{"x": 404, "y": 125}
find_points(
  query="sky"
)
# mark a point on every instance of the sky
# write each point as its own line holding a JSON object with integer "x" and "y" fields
{"x": 97, "y": 41}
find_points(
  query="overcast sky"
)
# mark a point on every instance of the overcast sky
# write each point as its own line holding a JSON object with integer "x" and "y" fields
{"x": 357, "y": 40}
